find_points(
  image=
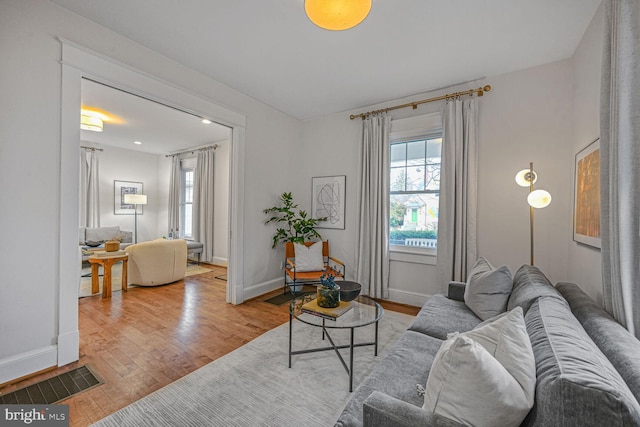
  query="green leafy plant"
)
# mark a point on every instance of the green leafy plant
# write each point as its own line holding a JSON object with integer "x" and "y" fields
{"x": 296, "y": 226}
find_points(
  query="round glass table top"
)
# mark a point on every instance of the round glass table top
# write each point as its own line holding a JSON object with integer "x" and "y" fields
{"x": 364, "y": 311}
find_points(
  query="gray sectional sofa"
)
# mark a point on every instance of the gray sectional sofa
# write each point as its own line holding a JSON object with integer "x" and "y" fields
{"x": 587, "y": 365}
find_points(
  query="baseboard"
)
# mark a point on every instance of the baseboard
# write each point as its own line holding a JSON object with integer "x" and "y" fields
{"x": 262, "y": 288}
{"x": 222, "y": 262}
{"x": 410, "y": 298}
{"x": 27, "y": 363}
{"x": 68, "y": 347}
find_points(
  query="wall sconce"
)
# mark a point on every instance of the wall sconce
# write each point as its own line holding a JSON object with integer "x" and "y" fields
{"x": 537, "y": 199}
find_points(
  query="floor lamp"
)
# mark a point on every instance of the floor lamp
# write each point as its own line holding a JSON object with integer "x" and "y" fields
{"x": 135, "y": 199}
{"x": 536, "y": 199}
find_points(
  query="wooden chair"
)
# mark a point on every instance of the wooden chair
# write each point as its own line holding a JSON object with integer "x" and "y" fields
{"x": 295, "y": 280}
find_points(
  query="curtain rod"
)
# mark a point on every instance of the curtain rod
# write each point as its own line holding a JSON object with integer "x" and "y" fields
{"x": 193, "y": 150}
{"x": 414, "y": 105}
{"x": 91, "y": 148}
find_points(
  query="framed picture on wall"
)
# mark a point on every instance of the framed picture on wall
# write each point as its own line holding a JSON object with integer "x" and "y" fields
{"x": 120, "y": 188}
{"x": 328, "y": 198}
{"x": 586, "y": 217}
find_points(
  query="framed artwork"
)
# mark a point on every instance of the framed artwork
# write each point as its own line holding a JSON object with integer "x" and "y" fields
{"x": 120, "y": 188}
{"x": 328, "y": 198}
{"x": 586, "y": 217}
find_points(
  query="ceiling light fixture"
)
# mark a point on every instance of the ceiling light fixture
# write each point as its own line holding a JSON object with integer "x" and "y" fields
{"x": 137, "y": 142}
{"x": 206, "y": 121}
{"x": 337, "y": 15}
{"x": 91, "y": 123}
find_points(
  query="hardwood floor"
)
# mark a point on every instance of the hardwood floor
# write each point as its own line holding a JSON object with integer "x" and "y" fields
{"x": 146, "y": 338}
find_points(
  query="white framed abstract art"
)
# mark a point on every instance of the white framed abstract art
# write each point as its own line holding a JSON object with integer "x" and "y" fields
{"x": 328, "y": 200}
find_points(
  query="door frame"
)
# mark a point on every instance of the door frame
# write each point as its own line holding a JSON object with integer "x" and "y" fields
{"x": 79, "y": 62}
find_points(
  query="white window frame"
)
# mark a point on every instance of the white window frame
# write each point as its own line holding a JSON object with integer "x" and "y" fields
{"x": 186, "y": 165}
{"x": 425, "y": 126}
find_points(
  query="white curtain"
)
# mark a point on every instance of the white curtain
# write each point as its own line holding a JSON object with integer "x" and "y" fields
{"x": 620, "y": 163}
{"x": 457, "y": 237}
{"x": 174, "y": 196}
{"x": 203, "y": 203}
{"x": 89, "y": 189}
{"x": 372, "y": 258}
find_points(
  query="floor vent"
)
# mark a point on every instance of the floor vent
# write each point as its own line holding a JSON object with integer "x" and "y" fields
{"x": 54, "y": 389}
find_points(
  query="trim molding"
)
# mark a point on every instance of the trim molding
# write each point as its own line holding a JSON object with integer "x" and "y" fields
{"x": 27, "y": 363}
{"x": 410, "y": 298}
{"x": 263, "y": 288}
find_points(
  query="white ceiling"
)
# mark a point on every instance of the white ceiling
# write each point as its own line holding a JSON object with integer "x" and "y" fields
{"x": 269, "y": 50}
{"x": 161, "y": 129}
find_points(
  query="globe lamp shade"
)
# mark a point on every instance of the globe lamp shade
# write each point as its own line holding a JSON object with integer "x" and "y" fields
{"x": 337, "y": 15}
{"x": 539, "y": 199}
{"x": 522, "y": 177}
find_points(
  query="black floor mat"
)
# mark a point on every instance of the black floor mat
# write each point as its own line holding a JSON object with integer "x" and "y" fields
{"x": 288, "y": 296}
{"x": 54, "y": 389}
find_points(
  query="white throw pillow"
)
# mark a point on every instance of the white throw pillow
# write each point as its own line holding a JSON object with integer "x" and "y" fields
{"x": 308, "y": 258}
{"x": 486, "y": 376}
{"x": 488, "y": 289}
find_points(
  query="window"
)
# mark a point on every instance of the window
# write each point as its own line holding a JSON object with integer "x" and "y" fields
{"x": 415, "y": 191}
{"x": 187, "y": 167}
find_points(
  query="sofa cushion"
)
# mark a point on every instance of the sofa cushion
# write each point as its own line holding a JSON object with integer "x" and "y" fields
{"x": 101, "y": 234}
{"x": 576, "y": 383}
{"x": 440, "y": 316}
{"x": 619, "y": 345}
{"x": 468, "y": 385}
{"x": 309, "y": 258}
{"x": 407, "y": 364}
{"x": 488, "y": 289}
{"x": 529, "y": 283}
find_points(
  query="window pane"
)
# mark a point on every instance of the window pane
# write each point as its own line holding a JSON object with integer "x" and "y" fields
{"x": 398, "y": 179}
{"x": 398, "y": 154}
{"x": 434, "y": 149}
{"x": 188, "y": 220}
{"x": 415, "y": 178}
{"x": 433, "y": 176}
{"x": 416, "y": 153}
{"x": 413, "y": 220}
{"x": 188, "y": 186}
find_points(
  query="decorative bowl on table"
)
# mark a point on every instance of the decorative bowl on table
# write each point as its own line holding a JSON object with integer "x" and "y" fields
{"x": 92, "y": 244}
{"x": 349, "y": 290}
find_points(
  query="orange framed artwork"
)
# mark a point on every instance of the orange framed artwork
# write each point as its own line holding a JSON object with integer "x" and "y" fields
{"x": 586, "y": 219}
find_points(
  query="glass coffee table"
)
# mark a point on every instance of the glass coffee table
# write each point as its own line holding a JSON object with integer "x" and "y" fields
{"x": 365, "y": 312}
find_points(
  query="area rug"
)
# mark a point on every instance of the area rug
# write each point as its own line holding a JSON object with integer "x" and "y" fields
{"x": 116, "y": 278}
{"x": 253, "y": 386}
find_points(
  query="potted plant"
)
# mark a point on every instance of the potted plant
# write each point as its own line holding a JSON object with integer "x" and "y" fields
{"x": 296, "y": 226}
{"x": 328, "y": 292}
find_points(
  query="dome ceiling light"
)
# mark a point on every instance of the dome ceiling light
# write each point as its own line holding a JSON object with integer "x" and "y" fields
{"x": 337, "y": 15}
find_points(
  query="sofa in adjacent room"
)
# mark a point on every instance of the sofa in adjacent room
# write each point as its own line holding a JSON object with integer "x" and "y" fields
{"x": 586, "y": 373}
{"x": 94, "y": 236}
{"x": 157, "y": 262}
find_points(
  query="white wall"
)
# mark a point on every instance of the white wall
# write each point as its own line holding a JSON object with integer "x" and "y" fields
{"x": 526, "y": 117}
{"x": 30, "y": 83}
{"x": 584, "y": 261}
{"x": 129, "y": 165}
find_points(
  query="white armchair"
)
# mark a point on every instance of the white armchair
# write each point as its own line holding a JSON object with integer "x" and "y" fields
{"x": 157, "y": 262}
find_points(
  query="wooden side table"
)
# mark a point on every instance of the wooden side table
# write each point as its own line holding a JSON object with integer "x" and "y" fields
{"x": 107, "y": 262}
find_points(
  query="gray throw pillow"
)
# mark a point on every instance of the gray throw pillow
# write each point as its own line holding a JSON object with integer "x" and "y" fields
{"x": 488, "y": 289}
